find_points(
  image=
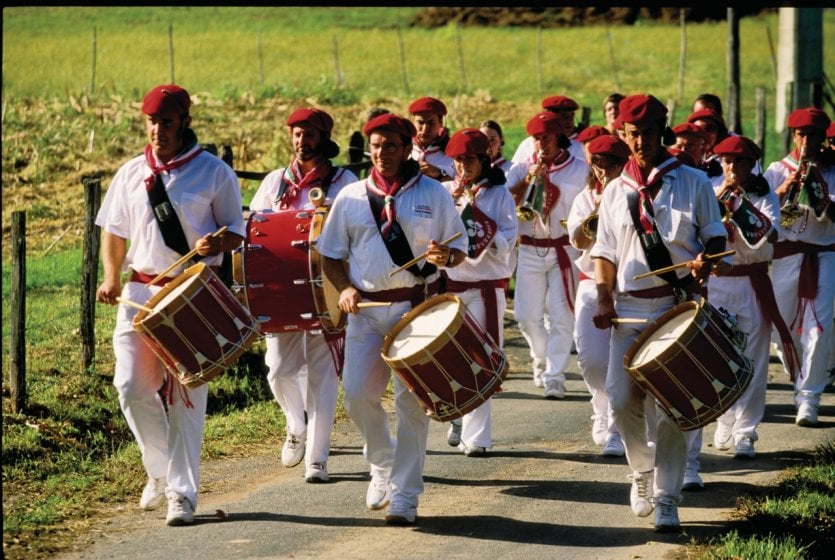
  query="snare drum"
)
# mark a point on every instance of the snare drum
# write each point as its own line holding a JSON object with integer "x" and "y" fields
{"x": 691, "y": 360}
{"x": 445, "y": 358}
{"x": 196, "y": 326}
{"x": 277, "y": 273}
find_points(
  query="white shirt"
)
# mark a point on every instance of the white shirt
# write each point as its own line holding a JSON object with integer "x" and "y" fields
{"x": 582, "y": 207}
{"x": 570, "y": 177}
{"x": 265, "y": 198}
{"x": 816, "y": 232}
{"x": 436, "y": 158}
{"x": 687, "y": 216}
{"x": 494, "y": 262}
{"x": 204, "y": 193}
{"x": 425, "y": 212}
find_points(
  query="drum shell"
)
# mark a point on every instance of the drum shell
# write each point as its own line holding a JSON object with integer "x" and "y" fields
{"x": 457, "y": 371}
{"x": 702, "y": 374}
{"x": 201, "y": 331}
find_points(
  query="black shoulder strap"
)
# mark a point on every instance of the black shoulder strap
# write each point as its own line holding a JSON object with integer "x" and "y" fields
{"x": 166, "y": 216}
{"x": 656, "y": 252}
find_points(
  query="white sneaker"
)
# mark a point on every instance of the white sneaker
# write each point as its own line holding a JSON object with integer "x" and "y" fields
{"x": 666, "y": 515}
{"x": 807, "y": 414}
{"x": 292, "y": 452}
{"x": 554, "y": 389}
{"x": 692, "y": 480}
{"x": 613, "y": 446}
{"x": 538, "y": 382}
{"x": 401, "y": 514}
{"x": 316, "y": 472}
{"x": 722, "y": 436}
{"x": 453, "y": 435}
{"x": 154, "y": 493}
{"x": 180, "y": 511}
{"x": 640, "y": 493}
{"x": 475, "y": 451}
{"x": 599, "y": 429}
{"x": 378, "y": 494}
{"x": 744, "y": 448}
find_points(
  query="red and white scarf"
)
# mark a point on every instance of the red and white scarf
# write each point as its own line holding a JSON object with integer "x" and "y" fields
{"x": 552, "y": 191}
{"x": 178, "y": 161}
{"x": 633, "y": 177}
{"x": 387, "y": 190}
{"x": 297, "y": 181}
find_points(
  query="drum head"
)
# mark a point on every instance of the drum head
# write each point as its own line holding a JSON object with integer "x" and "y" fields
{"x": 664, "y": 336}
{"x": 422, "y": 326}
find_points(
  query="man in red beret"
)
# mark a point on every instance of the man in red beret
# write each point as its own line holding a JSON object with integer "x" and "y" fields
{"x": 564, "y": 108}
{"x": 804, "y": 180}
{"x": 658, "y": 212}
{"x": 302, "y": 369}
{"x": 545, "y": 273}
{"x": 607, "y": 155}
{"x": 374, "y": 227}
{"x": 587, "y": 135}
{"x": 714, "y": 131}
{"x": 431, "y": 138}
{"x": 690, "y": 139}
{"x": 751, "y": 215}
{"x": 159, "y": 207}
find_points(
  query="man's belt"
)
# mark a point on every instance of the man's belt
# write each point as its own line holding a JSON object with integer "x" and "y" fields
{"x": 653, "y": 293}
{"x": 544, "y": 241}
{"x": 787, "y": 248}
{"x": 142, "y": 278}
{"x": 415, "y": 293}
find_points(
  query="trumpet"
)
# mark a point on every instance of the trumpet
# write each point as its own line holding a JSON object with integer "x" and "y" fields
{"x": 316, "y": 196}
{"x": 534, "y": 195}
{"x": 790, "y": 211}
{"x": 589, "y": 226}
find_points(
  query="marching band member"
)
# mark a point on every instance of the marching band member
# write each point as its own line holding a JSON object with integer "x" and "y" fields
{"x": 545, "y": 274}
{"x": 488, "y": 211}
{"x": 608, "y": 155}
{"x": 373, "y": 226}
{"x": 676, "y": 211}
{"x": 431, "y": 138}
{"x": 564, "y": 107}
{"x": 303, "y": 373}
{"x": 690, "y": 140}
{"x": 513, "y": 172}
{"x": 804, "y": 186}
{"x": 714, "y": 130}
{"x": 750, "y": 211}
{"x": 611, "y": 111}
{"x": 159, "y": 206}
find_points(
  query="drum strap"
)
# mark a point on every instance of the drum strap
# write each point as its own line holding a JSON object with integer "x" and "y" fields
{"x": 656, "y": 252}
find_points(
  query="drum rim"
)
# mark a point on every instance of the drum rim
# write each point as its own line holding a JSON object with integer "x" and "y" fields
{"x": 410, "y": 315}
{"x": 655, "y": 326}
{"x": 144, "y": 319}
{"x": 320, "y": 299}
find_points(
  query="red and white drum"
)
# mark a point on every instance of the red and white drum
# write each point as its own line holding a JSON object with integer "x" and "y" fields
{"x": 277, "y": 273}
{"x": 691, "y": 360}
{"x": 196, "y": 326}
{"x": 445, "y": 358}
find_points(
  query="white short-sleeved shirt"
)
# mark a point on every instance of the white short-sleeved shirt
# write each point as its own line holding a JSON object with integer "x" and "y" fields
{"x": 817, "y": 232}
{"x": 425, "y": 212}
{"x": 687, "y": 216}
{"x": 584, "y": 204}
{"x": 265, "y": 198}
{"x": 494, "y": 262}
{"x": 204, "y": 193}
{"x": 570, "y": 177}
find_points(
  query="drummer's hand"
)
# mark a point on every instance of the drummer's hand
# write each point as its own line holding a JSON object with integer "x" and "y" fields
{"x": 348, "y": 300}
{"x": 208, "y": 245}
{"x": 108, "y": 292}
{"x": 700, "y": 268}
{"x": 438, "y": 254}
{"x": 605, "y": 313}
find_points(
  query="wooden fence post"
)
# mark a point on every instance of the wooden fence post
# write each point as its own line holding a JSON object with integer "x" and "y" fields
{"x": 90, "y": 271}
{"x": 18, "y": 312}
{"x": 402, "y": 51}
{"x": 461, "y": 69}
{"x": 93, "y": 72}
{"x": 539, "y": 79}
{"x": 760, "y": 135}
{"x": 682, "y": 60}
{"x": 171, "y": 52}
{"x": 734, "y": 117}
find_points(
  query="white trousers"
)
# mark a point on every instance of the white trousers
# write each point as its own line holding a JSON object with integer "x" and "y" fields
{"x": 169, "y": 442}
{"x": 303, "y": 377}
{"x": 476, "y": 425}
{"x": 539, "y": 289}
{"x": 736, "y": 295}
{"x": 669, "y": 455}
{"x": 364, "y": 381}
{"x": 816, "y": 339}
{"x": 592, "y": 350}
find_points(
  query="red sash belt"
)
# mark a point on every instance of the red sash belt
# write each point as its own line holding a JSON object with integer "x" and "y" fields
{"x": 488, "y": 295}
{"x": 563, "y": 260}
{"x": 142, "y": 278}
{"x": 807, "y": 283}
{"x": 415, "y": 294}
{"x": 653, "y": 293}
{"x": 544, "y": 241}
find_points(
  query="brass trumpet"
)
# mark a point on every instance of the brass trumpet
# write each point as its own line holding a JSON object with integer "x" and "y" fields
{"x": 790, "y": 211}
{"x": 527, "y": 211}
{"x": 589, "y": 226}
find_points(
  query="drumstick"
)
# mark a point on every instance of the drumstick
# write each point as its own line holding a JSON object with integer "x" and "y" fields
{"x": 423, "y": 256}
{"x": 182, "y": 259}
{"x": 626, "y": 321}
{"x": 683, "y": 264}
{"x": 374, "y": 304}
{"x": 134, "y": 304}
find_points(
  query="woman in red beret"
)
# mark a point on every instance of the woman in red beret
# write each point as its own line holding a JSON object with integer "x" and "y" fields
{"x": 488, "y": 212}
{"x": 803, "y": 180}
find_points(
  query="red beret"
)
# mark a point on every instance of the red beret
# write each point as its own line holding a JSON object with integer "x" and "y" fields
{"x": 559, "y": 103}
{"x": 467, "y": 141}
{"x": 641, "y": 108}
{"x": 590, "y": 133}
{"x": 389, "y": 122}
{"x": 809, "y": 117}
{"x": 316, "y": 118}
{"x": 738, "y": 146}
{"x": 428, "y": 105}
{"x": 544, "y": 123}
{"x": 707, "y": 115}
{"x": 166, "y": 99}
{"x": 609, "y": 145}
{"x": 688, "y": 128}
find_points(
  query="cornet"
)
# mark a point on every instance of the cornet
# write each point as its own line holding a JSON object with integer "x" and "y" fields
{"x": 534, "y": 194}
{"x": 790, "y": 211}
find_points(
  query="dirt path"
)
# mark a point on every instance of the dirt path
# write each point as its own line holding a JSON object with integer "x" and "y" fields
{"x": 543, "y": 492}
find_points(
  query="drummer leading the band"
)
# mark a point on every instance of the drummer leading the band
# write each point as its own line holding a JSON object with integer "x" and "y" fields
{"x": 373, "y": 227}
{"x": 303, "y": 364}
{"x": 637, "y": 206}
{"x": 159, "y": 207}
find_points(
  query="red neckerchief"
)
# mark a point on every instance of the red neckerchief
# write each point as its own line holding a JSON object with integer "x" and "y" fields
{"x": 552, "y": 191}
{"x": 792, "y": 161}
{"x": 633, "y": 177}
{"x": 385, "y": 189}
{"x": 178, "y": 161}
{"x": 295, "y": 185}
{"x": 472, "y": 189}
{"x": 437, "y": 146}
